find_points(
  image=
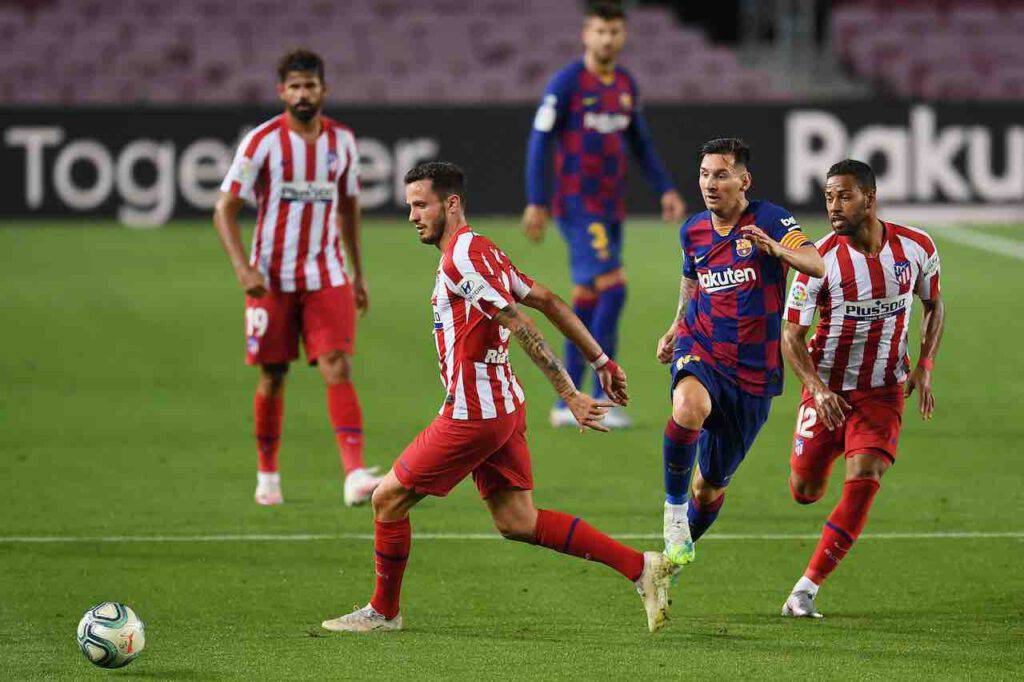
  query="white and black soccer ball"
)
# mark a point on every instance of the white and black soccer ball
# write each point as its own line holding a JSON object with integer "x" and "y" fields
{"x": 111, "y": 635}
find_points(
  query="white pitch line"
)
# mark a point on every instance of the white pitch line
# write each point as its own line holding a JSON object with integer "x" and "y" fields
{"x": 44, "y": 539}
{"x": 1000, "y": 246}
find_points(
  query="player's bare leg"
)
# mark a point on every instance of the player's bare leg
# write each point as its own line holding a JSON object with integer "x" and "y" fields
{"x": 268, "y": 413}
{"x": 864, "y": 472}
{"x": 517, "y": 518}
{"x": 347, "y": 420}
{"x": 392, "y": 503}
{"x": 691, "y": 405}
{"x": 584, "y": 301}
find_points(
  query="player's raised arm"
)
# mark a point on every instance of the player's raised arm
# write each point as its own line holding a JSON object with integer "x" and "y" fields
{"x": 784, "y": 240}
{"x": 588, "y": 412}
{"x": 613, "y": 379}
{"x": 225, "y": 219}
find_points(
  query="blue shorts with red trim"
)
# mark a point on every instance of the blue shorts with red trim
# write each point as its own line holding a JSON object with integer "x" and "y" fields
{"x": 735, "y": 420}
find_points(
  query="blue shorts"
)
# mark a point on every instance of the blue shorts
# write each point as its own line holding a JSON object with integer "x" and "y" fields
{"x": 595, "y": 246}
{"x": 735, "y": 420}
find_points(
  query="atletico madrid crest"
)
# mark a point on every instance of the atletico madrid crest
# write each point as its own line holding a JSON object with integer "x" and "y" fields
{"x": 901, "y": 269}
{"x": 332, "y": 163}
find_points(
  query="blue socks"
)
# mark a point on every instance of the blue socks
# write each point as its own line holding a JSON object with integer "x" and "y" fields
{"x": 679, "y": 450}
{"x": 702, "y": 516}
{"x": 575, "y": 363}
{"x": 605, "y": 324}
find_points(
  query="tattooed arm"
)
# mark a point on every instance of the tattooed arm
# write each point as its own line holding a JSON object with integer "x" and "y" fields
{"x": 588, "y": 412}
{"x": 668, "y": 340}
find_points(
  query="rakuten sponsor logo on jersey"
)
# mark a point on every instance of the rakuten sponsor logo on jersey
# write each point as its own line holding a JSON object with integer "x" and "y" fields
{"x": 878, "y": 308}
{"x": 721, "y": 280}
{"x": 605, "y": 123}
{"x": 307, "y": 191}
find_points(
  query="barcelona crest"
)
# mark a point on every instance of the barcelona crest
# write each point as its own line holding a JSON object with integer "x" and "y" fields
{"x": 901, "y": 270}
{"x": 744, "y": 248}
{"x": 626, "y": 100}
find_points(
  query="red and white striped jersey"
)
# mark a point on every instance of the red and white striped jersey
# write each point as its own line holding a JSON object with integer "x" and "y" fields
{"x": 475, "y": 280}
{"x": 865, "y": 305}
{"x": 295, "y": 184}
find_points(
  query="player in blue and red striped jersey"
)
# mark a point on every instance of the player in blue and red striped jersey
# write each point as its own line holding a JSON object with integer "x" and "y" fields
{"x": 591, "y": 110}
{"x": 724, "y": 343}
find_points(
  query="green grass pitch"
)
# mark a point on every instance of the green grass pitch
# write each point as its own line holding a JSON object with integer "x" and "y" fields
{"x": 125, "y": 412}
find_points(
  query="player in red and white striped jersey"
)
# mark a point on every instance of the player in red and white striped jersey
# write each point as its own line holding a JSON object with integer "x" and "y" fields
{"x": 481, "y": 428}
{"x": 855, "y": 367}
{"x": 301, "y": 169}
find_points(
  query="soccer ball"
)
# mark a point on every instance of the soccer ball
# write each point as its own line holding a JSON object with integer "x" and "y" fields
{"x": 111, "y": 635}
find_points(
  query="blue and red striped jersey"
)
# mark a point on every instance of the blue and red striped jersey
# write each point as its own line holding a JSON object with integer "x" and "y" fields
{"x": 734, "y": 320}
{"x": 592, "y": 119}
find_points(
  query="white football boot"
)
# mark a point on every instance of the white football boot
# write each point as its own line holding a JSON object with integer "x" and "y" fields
{"x": 360, "y": 484}
{"x": 800, "y": 604}
{"x": 616, "y": 418}
{"x": 679, "y": 546}
{"x": 561, "y": 416}
{"x": 268, "y": 489}
{"x": 652, "y": 585}
{"x": 365, "y": 619}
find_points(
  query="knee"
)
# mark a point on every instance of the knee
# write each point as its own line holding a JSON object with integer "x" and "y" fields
{"x": 806, "y": 491}
{"x": 518, "y": 527}
{"x": 271, "y": 382}
{"x": 690, "y": 412}
{"x": 705, "y": 493}
{"x": 335, "y": 367}
{"x": 867, "y": 465}
{"x": 387, "y": 501}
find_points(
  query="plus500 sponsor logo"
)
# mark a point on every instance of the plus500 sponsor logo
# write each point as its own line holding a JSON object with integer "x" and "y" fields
{"x": 721, "y": 280}
{"x": 876, "y": 309}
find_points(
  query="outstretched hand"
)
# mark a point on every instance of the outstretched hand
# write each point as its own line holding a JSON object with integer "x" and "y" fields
{"x": 762, "y": 240}
{"x": 588, "y": 411}
{"x": 613, "y": 382}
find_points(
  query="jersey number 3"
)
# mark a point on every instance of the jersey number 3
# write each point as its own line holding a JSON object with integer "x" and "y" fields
{"x": 600, "y": 241}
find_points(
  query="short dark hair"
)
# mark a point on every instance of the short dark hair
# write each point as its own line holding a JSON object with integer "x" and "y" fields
{"x": 605, "y": 10}
{"x": 739, "y": 149}
{"x": 446, "y": 178}
{"x": 860, "y": 171}
{"x": 300, "y": 60}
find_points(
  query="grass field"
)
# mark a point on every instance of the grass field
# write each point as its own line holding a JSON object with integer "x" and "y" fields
{"x": 125, "y": 434}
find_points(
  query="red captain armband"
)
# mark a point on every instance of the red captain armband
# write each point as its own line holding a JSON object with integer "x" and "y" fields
{"x": 927, "y": 363}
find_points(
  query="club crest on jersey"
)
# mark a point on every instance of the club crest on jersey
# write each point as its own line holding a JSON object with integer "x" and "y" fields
{"x": 744, "y": 248}
{"x": 332, "y": 163}
{"x": 901, "y": 269}
{"x": 626, "y": 100}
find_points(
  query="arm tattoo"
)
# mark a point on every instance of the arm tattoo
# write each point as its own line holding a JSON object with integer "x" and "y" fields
{"x": 539, "y": 351}
{"x": 685, "y": 293}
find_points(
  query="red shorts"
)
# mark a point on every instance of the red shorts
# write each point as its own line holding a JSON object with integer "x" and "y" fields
{"x": 325, "y": 319}
{"x": 448, "y": 450}
{"x": 873, "y": 424}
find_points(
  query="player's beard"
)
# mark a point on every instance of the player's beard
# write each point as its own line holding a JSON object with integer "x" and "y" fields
{"x": 306, "y": 113}
{"x": 433, "y": 234}
{"x": 849, "y": 226}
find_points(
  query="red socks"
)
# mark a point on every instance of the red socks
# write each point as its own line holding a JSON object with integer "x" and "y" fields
{"x": 267, "y": 413}
{"x": 572, "y": 535}
{"x": 392, "y": 540}
{"x": 842, "y": 528}
{"x": 347, "y": 420}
